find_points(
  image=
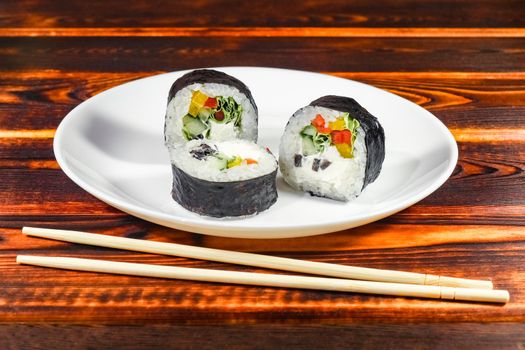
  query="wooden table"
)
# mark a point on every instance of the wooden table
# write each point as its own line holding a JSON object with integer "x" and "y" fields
{"x": 463, "y": 61}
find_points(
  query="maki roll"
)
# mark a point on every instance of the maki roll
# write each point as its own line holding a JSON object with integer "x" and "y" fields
{"x": 211, "y": 105}
{"x": 223, "y": 179}
{"x": 332, "y": 148}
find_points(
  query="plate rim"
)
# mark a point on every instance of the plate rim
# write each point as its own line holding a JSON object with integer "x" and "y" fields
{"x": 223, "y": 227}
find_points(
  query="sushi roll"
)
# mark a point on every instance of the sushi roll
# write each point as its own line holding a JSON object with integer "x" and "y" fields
{"x": 211, "y": 105}
{"x": 332, "y": 148}
{"x": 223, "y": 179}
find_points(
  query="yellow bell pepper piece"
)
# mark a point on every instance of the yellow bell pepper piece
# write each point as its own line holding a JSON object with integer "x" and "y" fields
{"x": 345, "y": 150}
{"x": 234, "y": 162}
{"x": 338, "y": 124}
{"x": 198, "y": 99}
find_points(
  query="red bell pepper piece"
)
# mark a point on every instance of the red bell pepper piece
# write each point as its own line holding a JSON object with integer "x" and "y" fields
{"x": 318, "y": 122}
{"x": 211, "y": 102}
{"x": 341, "y": 136}
{"x": 347, "y": 136}
{"x": 337, "y": 137}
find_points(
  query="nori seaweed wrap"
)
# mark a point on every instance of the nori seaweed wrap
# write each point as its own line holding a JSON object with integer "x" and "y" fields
{"x": 211, "y": 105}
{"x": 332, "y": 148}
{"x": 224, "y": 179}
{"x": 374, "y": 133}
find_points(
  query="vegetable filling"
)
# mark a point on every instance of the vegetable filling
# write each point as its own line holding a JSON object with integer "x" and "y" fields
{"x": 223, "y": 162}
{"x": 340, "y": 133}
{"x": 205, "y": 110}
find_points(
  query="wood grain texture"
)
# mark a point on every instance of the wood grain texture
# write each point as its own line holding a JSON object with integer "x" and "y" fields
{"x": 464, "y": 62}
{"x": 465, "y": 102}
{"x": 222, "y": 13}
{"x": 319, "y": 54}
{"x": 484, "y": 170}
{"x": 366, "y": 336}
{"x": 58, "y": 295}
{"x": 347, "y": 32}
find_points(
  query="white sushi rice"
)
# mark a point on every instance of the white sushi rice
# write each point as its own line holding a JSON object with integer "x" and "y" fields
{"x": 342, "y": 180}
{"x": 179, "y": 105}
{"x": 207, "y": 169}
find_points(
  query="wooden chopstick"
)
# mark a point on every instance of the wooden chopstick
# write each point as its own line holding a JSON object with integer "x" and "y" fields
{"x": 265, "y": 261}
{"x": 271, "y": 280}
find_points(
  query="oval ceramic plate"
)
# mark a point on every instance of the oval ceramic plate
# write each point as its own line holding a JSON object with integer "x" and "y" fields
{"x": 112, "y": 146}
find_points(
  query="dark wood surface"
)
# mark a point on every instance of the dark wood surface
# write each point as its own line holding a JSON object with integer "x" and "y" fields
{"x": 269, "y": 13}
{"x": 462, "y": 60}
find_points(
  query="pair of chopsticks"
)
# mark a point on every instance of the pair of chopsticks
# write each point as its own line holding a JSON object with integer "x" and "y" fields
{"x": 349, "y": 278}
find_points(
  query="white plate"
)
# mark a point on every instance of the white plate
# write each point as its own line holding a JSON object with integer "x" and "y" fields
{"x": 112, "y": 146}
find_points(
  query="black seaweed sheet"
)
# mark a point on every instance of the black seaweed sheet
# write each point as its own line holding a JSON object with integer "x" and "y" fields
{"x": 374, "y": 133}
{"x": 203, "y": 76}
{"x": 224, "y": 199}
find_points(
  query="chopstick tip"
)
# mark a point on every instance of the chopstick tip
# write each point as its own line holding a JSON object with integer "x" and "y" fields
{"x": 506, "y": 296}
{"x": 28, "y": 259}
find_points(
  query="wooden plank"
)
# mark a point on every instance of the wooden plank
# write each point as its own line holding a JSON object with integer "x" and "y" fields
{"x": 481, "y": 191}
{"x": 465, "y": 63}
{"x": 66, "y": 296}
{"x": 365, "y": 336}
{"x": 488, "y": 135}
{"x": 27, "y": 134}
{"x": 469, "y": 214}
{"x": 460, "y": 100}
{"x": 28, "y": 164}
{"x": 484, "y": 170}
{"x": 26, "y": 148}
{"x": 317, "y": 32}
{"x": 465, "y": 101}
{"x": 219, "y": 13}
{"x": 319, "y": 54}
{"x": 348, "y": 244}
{"x": 30, "y": 191}
{"x": 76, "y": 297}
{"x": 484, "y": 173}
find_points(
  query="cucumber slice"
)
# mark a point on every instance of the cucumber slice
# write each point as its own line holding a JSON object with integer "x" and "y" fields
{"x": 219, "y": 162}
{"x": 308, "y": 146}
{"x": 309, "y": 130}
{"x": 204, "y": 114}
{"x": 193, "y": 126}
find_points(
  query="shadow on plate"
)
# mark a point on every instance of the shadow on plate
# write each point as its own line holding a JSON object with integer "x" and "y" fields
{"x": 122, "y": 142}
